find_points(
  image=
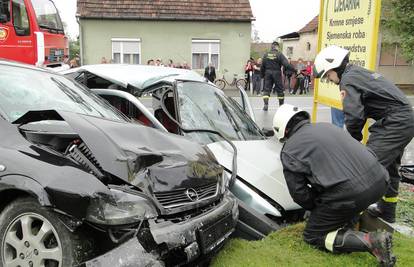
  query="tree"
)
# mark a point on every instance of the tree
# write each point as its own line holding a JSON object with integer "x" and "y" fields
{"x": 398, "y": 25}
{"x": 74, "y": 48}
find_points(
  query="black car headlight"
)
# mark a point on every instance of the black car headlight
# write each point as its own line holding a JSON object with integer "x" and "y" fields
{"x": 119, "y": 208}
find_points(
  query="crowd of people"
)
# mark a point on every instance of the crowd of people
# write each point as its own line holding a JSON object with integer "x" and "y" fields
{"x": 171, "y": 64}
{"x": 156, "y": 62}
{"x": 292, "y": 82}
{"x": 72, "y": 63}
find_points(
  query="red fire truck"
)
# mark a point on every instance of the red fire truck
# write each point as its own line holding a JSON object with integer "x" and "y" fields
{"x": 31, "y": 32}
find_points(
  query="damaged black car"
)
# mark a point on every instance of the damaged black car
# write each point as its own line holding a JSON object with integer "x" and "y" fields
{"x": 80, "y": 184}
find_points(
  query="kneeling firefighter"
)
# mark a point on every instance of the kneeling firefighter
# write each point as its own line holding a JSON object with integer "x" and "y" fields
{"x": 335, "y": 177}
{"x": 367, "y": 94}
{"x": 271, "y": 71}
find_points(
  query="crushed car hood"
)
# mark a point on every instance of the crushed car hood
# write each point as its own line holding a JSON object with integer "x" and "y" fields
{"x": 125, "y": 76}
{"x": 140, "y": 155}
{"x": 258, "y": 163}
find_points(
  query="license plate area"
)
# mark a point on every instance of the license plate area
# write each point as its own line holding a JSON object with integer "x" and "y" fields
{"x": 212, "y": 235}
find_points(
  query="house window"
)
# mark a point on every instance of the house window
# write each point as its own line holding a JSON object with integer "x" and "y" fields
{"x": 205, "y": 51}
{"x": 126, "y": 51}
{"x": 308, "y": 46}
{"x": 289, "y": 51}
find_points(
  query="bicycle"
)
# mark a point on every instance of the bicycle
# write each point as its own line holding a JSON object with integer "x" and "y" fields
{"x": 239, "y": 83}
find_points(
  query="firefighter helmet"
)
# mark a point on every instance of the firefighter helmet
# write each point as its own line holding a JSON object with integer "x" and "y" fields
{"x": 329, "y": 58}
{"x": 282, "y": 117}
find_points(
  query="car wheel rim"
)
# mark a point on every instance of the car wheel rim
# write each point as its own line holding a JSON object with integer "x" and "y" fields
{"x": 31, "y": 240}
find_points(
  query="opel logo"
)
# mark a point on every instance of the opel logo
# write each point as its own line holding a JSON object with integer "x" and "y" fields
{"x": 192, "y": 194}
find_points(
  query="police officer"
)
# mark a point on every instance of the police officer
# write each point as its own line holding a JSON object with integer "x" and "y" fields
{"x": 366, "y": 94}
{"x": 335, "y": 177}
{"x": 272, "y": 74}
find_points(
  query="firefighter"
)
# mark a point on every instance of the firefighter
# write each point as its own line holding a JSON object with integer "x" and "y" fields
{"x": 272, "y": 74}
{"x": 366, "y": 94}
{"x": 335, "y": 177}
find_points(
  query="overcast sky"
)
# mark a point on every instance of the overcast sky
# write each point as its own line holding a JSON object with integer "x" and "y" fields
{"x": 278, "y": 17}
{"x": 273, "y": 17}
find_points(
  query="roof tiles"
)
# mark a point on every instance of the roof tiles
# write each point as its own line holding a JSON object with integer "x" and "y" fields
{"x": 210, "y": 10}
{"x": 311, "y": 26}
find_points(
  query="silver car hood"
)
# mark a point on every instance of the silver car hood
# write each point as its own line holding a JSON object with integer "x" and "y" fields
{"x": 258, "y": 163}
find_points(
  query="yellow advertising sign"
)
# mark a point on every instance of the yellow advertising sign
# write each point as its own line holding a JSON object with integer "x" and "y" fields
{"x": 353, "y": 25}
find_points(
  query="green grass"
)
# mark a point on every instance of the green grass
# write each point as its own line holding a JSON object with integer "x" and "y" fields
{"x": 405, "y": 207}
{"x": 287, "y": 248}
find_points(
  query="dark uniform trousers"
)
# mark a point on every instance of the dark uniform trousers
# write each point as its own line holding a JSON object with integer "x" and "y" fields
{"x": 388, "y": 138}
{"x": 271, "y": 71}
{"x": 330, "y": 215}
{"x": 274, "y": 78}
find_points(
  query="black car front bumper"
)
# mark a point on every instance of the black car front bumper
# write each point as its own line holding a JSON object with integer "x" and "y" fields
{"x": 192, "y": 239}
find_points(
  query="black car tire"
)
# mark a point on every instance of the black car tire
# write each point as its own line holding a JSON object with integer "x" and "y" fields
{"x": 74, "y": 249}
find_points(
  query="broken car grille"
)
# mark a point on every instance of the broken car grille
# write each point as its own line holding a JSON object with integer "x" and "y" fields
{"x": 186, "y": 196}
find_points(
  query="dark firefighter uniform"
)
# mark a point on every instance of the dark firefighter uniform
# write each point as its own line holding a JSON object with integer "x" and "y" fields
{"x": 272, "y": 74}
{"x": 369, "y": 95}
{"x": 332, "y": 175}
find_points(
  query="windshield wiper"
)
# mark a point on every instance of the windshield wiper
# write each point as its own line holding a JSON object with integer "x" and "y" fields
{"x": 51, "y": 29}
{"x": 1, "y": 116}
{"x": 74, "y": 96}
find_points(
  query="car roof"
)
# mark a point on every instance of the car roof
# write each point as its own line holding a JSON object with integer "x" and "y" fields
{"x": 140, "y": 77}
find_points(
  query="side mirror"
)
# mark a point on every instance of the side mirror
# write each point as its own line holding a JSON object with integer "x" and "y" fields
{"x": 3, "y": 18}
{"x": 268, "y": 132}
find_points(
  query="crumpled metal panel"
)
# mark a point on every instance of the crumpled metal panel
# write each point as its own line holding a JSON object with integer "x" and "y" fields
{"x": 129, "y": 254}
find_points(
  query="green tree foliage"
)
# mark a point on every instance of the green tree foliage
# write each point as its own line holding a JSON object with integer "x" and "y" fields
{"x": 74, "y": 48}
{"x": 398, "y": 24}
{"x": 255, "y": 54}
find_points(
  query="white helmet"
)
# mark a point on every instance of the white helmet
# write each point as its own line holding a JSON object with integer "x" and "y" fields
{"x": 282, "y": 118}
{"x": 329, "y": 58}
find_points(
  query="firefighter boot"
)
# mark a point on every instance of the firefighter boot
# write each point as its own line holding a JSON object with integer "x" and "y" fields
{"x": 384, "y": 209}
{"x": 281, "y": 99}
{"x": 379, "y": 244}
{"x": 265, "y": 103}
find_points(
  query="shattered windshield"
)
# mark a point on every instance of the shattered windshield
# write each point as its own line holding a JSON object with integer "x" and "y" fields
{"x": 202, "y": 106}
{"x": 23, "y": 90}
{"x": 47, "y": 15}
